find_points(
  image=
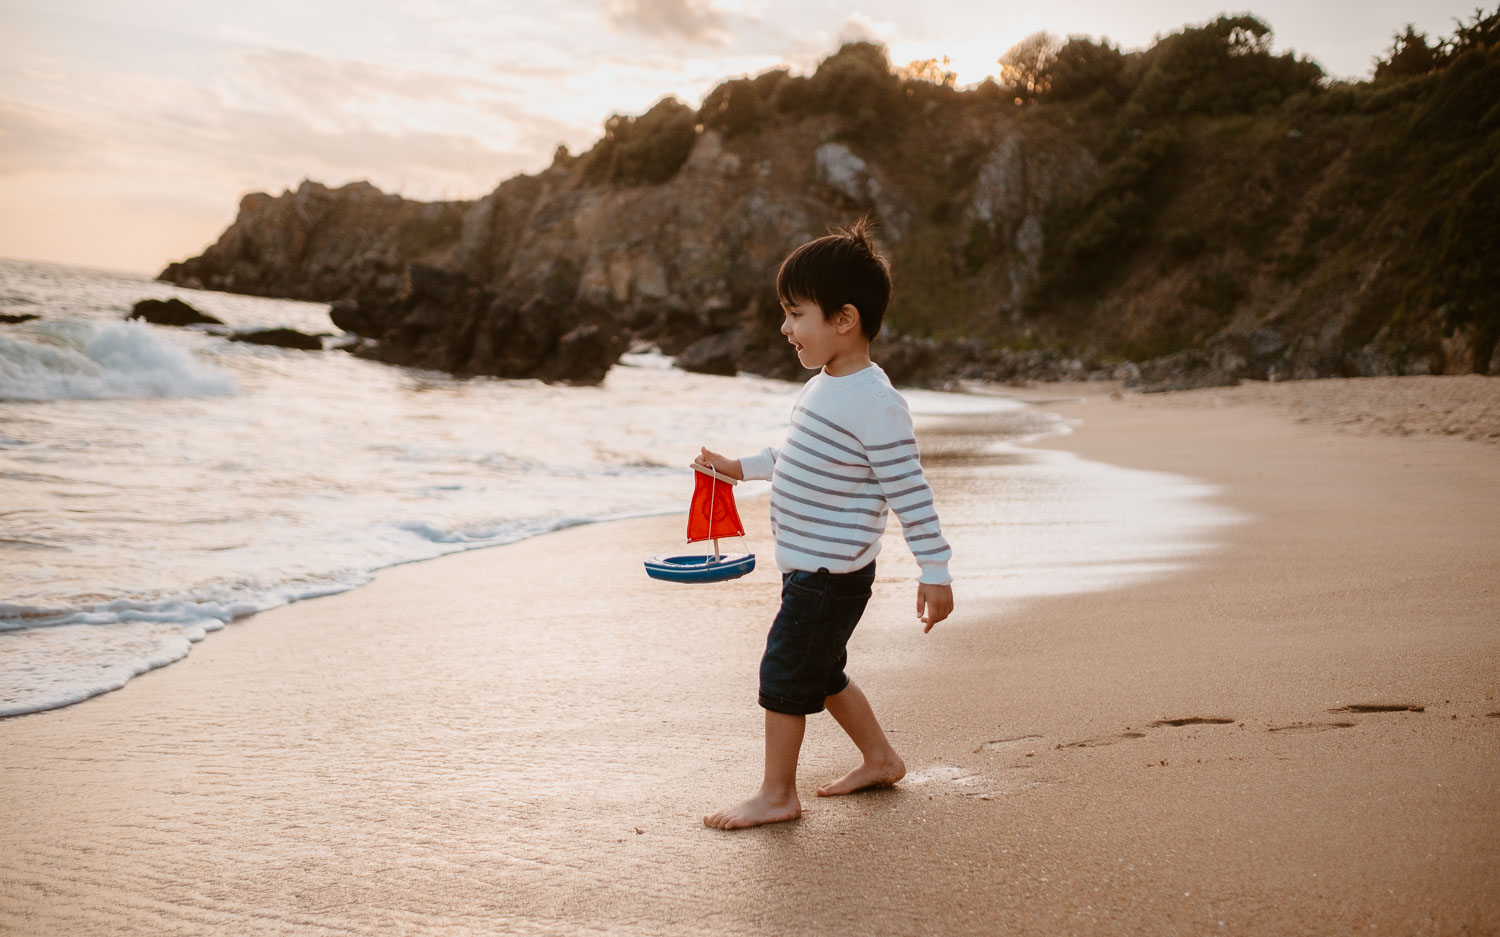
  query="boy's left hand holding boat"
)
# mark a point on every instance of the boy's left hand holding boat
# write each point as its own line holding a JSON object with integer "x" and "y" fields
{"x": 721, "y": 464}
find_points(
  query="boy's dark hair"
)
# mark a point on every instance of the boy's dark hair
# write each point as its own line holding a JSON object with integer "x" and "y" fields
{"x": 838, "y": 268}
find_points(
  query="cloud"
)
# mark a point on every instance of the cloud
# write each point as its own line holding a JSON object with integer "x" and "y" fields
{"x": 34, "y": 139}
{"x": 859, "y": 27}
{"x": 251, "y": 138}
{"x": 696, "y": 20}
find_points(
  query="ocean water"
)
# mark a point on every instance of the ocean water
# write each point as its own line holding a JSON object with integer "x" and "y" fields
{"x": 158, "y": 483}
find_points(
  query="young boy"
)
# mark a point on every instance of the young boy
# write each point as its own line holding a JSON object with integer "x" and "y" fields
{"x": 849, "y": 456}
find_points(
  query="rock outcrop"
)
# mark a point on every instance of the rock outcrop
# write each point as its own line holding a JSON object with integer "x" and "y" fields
{"x": 170, "y": 312}
{"x": 688, "y": 265}
{"x": 444, "y": 320}
{"x": 317, "y": 243}
{"x": 1168, "y": 240}
{"x": 280, "y": 338}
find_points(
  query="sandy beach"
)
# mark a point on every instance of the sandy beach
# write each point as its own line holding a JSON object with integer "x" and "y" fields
{"x": 1296, "y": 732}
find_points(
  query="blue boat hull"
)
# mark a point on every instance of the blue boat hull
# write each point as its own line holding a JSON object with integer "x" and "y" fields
{"x": 700, "y": 568}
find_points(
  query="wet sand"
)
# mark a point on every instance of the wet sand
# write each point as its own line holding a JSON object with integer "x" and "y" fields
{"x": 1297, "y": 733}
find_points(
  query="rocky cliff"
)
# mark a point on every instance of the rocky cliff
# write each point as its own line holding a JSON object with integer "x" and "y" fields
{"x": 1128, "y": 224}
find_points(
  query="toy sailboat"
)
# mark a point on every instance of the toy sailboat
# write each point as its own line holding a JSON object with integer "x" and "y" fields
{"x": 711, "y": 516}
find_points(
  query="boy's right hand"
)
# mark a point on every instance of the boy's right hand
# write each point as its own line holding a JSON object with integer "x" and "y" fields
{"x": 720, "y": 464}
{"x": 934, "y": 603}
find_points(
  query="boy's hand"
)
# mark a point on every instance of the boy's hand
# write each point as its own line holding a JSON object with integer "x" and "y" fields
{"x": 934, "y": 603}
{"x": 720, "y": 464}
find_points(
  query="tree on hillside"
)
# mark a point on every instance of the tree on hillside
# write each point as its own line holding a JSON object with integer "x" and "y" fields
{"x": 1482, "y": 33}
{"x": 1410, "y": 55}
{"x": 857, "y": 83}
{"x": 645, "y": 150}
{"x": 1222, "y": 67}
{"x": 735, "y": 107}
{"x": 1082, "y": 68}
{"x": 933, "y": 71}
{"x": 1025, "y": 66}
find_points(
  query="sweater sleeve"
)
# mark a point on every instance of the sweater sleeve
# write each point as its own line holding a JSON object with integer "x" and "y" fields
{"x": 891, "y": 446}
{"x": 759, "y": 467}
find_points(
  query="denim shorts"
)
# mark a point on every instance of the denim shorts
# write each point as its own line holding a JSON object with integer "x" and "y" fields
{"x": 804, "y": 660}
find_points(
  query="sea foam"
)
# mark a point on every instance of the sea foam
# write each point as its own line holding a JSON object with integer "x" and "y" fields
{"x": 50, "y": 667}
{"x": 78, "y": 359}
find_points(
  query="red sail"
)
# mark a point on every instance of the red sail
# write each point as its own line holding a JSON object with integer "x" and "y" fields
{"x": 712, "y": 513}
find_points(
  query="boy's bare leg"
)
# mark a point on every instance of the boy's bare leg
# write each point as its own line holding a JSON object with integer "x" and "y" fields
{"x": 881, "y": 767}
{"x": 777, "y": 798}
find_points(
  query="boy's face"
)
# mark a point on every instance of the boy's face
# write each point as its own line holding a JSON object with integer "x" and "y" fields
{"x": 816, "y": 339}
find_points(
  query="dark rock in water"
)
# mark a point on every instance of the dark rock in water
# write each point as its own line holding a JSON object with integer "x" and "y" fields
{"x": 586, "y": 352}
{"x": 713, "y": 354}
{"x": 445, "y": 320}
{"x": 23, "y": 317}
{"x": 170, "y": 312}
{"x": 282, "y": 338}
{"x": 356, "y": 319}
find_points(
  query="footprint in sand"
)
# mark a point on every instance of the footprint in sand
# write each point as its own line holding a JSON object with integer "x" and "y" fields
{"x": 1311, "y": 727}
{"x": 1194, "y": 721}
{"x": 1020, "y": 741}
{"x": 1103, "y": 740}
{"x": 1131, "y": 735}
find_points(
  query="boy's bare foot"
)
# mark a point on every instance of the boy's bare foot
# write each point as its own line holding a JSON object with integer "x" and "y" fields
{"x": 757, "y": 811}
{"x": 883, "y": 773}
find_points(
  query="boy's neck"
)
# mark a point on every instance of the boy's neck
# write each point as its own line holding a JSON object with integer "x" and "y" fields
{"x": 849, "y": 360}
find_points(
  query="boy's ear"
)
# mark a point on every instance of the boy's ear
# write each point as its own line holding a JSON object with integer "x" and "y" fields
{"x": 847, "y": 318}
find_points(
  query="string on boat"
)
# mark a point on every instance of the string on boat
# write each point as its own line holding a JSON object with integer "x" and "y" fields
{"x": 713, "y": 490}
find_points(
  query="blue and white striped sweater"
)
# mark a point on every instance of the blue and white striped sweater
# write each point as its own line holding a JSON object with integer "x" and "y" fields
{"x": 849, "y": 459}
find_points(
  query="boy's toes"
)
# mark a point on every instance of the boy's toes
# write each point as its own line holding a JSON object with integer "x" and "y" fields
{"x": 754, "y": 812}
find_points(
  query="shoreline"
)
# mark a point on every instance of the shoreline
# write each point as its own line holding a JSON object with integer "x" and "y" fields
{"x": 533, "y": 757}
{"x": 150, "y": 636}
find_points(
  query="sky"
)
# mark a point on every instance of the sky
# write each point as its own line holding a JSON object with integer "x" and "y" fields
{"x": 130, "y": 131}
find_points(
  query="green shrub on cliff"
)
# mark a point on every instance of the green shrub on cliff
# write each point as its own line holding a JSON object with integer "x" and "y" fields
{"x": 858, "y": 84}
{"x": 738, "y": 107}
{"x": 1114, "y": 216}
{"x": 1222, "y": 67}
{"x": 645, "y": 150}
{"x": 1026, "y": 67}
{"x": 1411, "y": 55}
{"x": 1455, "y": 135}
{"x": 1083, "y": 68}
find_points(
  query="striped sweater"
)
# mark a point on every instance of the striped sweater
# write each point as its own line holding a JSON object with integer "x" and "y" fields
{"x": 849, "y": 457}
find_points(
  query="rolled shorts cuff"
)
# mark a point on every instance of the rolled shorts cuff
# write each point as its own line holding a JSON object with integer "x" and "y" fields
{"x": 791, "y": 707}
